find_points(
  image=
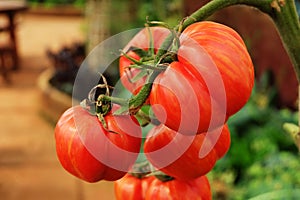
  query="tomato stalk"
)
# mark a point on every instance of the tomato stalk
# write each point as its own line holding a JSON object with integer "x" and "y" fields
{"x": 141, "y": 169}
{"x": 134, "y": 104}
{"x": 161, "y": 176}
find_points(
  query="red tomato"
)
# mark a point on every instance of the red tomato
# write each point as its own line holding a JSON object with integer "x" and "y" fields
{"x": 182, "y": 102}
{"x": 142, "y": 41}
{"x": 229, "y": 53}
{"x": 185, "y": 157}
{"x": 195, "y": 189}
{"x": 92, "y": 153}
{"x": 215, "y": 83}
{"x": 130, "y": 187}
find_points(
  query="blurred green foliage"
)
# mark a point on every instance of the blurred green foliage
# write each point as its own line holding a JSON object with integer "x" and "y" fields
{"x": 262, "y": 156}
{"x": 278, "y": 171}
{"x": 128, "y": 14}
{"x": 50, "y": 3}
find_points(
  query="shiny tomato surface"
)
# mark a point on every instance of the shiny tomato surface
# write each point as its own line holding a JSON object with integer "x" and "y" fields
{"x": 91, "y": 152}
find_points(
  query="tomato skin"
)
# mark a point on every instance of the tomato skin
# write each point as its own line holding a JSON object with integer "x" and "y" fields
{"x": 82, "y": 143}
{"x": 229, "y": 53}
{"x": 185, "y": 157}
{"x": 130, "y": 187}
{"x": 196, "y": 189}
{"x": 186, "y": 102}
{"x": 140, "y": 40}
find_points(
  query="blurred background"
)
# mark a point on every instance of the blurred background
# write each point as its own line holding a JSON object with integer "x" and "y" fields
{"x": 42, "y": 44}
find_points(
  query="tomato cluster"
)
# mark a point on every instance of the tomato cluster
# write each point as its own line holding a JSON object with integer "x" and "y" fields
{"x": 205, "y": 76}
{"x": 211, "y": 79}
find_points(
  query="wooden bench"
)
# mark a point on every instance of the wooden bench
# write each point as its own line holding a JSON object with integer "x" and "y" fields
{"x": 9, "y": 51}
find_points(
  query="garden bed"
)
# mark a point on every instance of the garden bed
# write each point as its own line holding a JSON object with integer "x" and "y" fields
{"x": 53, "y": 101}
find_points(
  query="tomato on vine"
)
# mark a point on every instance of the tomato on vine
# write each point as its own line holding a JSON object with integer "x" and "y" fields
{"x": 91, "y": 151}
{"x": 182, "y": 102}
{"x": 185, "y": 157}
{"x": 212, "y": 79}
{"x": 132, "y": 187}
{"x": 229, "y": 53}
{"x": 196, "y": 189}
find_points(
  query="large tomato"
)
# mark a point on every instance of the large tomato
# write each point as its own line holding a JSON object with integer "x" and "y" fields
{"x": 91, "y": 152}
{"x": 229, "y": 53}
{"x": 142, "y": 41}
{"x": 182, "y": 102}
{"x": 215, "y": 83}
{"x": 185, "y": 157}
{"x": 196, "y": 189}
{"x": 131, "y": 187}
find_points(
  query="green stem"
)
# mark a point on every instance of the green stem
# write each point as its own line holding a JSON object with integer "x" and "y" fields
{"x": 137, "y": 101}
{"x": 215, "y": 5}
{"x": 287, "y": 22}
{"x": 111, "y": 99}
{"x": 133, "y": 104}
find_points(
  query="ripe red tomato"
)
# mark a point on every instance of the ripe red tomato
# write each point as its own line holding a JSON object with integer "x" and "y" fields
{"x": 196, "y": 189}
{"x": 229, "y": 54}
{"x": 142, "y": 41}
{"x": 215, "y": 82}
{"x": 182, "y": 102}
{"x": 91, "y": 152}
{"x": 185, "y": 157}
{"x": 130, "y": 187}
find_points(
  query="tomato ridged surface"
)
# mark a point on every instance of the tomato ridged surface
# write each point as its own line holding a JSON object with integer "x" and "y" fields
{"x": 196, "y": 189}
{"x": 185, "y": 157}
{"x": 91, "y": 152}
